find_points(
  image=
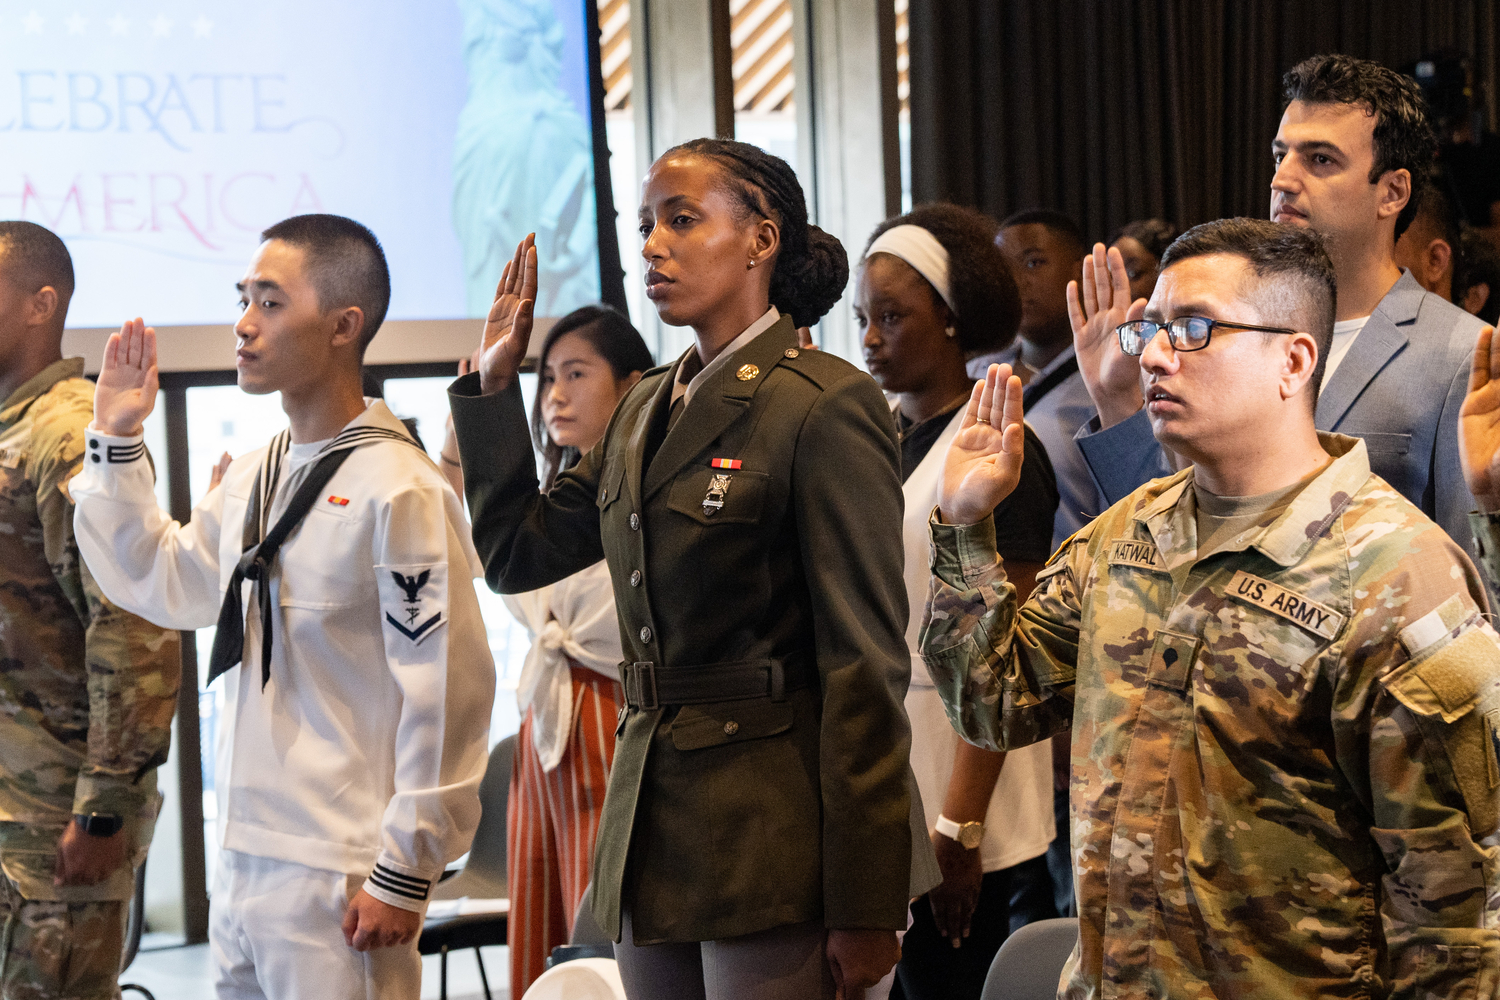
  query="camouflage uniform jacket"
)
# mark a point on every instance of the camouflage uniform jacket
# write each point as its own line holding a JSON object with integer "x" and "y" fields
{"x": 87, "y": 691}
{"x": 1284, "y": 774}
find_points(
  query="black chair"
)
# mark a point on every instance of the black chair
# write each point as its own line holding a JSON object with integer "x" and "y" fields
{"x": 1030, "y": 962}
{"x": 482, "y": 877}
{"x": 135, "y": 923}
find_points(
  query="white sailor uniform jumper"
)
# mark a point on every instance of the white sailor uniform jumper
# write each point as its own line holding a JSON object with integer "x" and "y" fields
{"x": 360, "y": 746}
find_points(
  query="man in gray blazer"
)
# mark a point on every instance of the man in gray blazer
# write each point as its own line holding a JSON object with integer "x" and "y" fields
{"x": 1351, "y": 153}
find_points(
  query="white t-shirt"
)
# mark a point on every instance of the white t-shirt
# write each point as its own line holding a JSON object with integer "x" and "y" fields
{"x": 1344, "y": 333}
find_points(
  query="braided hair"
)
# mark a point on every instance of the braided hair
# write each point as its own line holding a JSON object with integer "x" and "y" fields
{"x": 811, "y": 267}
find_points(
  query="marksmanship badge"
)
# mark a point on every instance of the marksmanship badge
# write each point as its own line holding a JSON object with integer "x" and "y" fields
{"x": 718, "y": 486}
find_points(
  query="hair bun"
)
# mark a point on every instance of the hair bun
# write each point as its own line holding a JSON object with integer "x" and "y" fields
{"x": 811, "y": 267}
{"x": 808, "y": 284}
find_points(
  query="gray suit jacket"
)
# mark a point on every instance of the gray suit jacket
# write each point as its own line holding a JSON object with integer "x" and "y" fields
{"x": 1400, "y": 388}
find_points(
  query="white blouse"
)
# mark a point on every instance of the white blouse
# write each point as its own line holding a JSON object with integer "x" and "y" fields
{"x": 573, "y": 618}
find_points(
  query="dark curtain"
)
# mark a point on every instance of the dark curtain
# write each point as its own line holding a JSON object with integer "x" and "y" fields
{"x": 1111, "y": 110}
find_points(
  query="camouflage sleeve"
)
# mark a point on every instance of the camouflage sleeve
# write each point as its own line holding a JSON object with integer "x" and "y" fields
{"x": 1427, "y": 727}
{"x": 133, "y": 666}
{"x": 1486, "y": 528}
{"x": 1005, "y": 674}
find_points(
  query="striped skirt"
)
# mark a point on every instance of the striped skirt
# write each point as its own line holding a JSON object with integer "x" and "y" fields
{"x": 553, "y": 820}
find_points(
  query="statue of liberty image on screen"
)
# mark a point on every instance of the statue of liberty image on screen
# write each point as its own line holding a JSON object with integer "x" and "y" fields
{"x": 523, "y": 159}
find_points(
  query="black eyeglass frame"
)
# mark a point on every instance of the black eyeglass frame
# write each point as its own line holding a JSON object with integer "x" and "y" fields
{"x": 1126, "y": 328}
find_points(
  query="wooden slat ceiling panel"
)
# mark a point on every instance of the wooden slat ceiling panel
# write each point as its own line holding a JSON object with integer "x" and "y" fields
{"x": 760, "y": 33}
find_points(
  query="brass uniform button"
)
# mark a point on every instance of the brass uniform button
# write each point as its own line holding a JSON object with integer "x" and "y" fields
{"x": 645, "y": 633}
{"x": 635, "y": 522}
{"x": 791, "y": 352}
{"x": 635, "y": 578}
{"x": 730, "y": 728}
{"x": 747, "y": 373}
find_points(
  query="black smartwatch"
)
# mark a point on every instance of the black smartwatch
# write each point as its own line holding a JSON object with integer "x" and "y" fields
{"x": 98, "y": 824}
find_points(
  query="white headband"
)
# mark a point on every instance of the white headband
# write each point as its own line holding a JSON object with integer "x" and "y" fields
{"x": 921, "y": 250}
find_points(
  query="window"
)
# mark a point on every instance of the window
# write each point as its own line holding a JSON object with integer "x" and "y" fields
{"x": 619, "y": 132}
{"x": 760, "y": 34}
{"x": 903, "y": 94}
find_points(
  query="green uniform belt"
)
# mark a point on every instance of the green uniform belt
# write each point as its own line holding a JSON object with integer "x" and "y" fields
{"x": 648, "y": 686}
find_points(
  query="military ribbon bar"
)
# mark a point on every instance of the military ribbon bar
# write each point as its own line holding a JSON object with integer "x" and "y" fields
{"x": 726, "y": 463}
{"x": 339, "y": 501}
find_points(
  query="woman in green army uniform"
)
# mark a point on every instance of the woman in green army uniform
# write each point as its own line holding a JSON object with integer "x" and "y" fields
{"x": 756, "y": 839}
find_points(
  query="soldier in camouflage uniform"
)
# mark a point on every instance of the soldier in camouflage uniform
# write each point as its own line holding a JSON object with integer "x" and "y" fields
{"x": 1284, "y": 769}
{"x": 86, "y": 690}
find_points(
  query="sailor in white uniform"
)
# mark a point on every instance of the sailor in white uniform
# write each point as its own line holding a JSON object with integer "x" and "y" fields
{"x": 348, "y": 768}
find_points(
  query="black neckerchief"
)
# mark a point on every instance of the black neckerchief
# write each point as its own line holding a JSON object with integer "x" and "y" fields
{"x": 259, "y": 547}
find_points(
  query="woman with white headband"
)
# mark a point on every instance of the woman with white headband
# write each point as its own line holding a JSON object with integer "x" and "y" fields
{"x": 932, "y": 290}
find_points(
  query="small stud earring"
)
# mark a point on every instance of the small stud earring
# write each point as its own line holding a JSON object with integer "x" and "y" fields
{"x": 951, "y": 333}
{"x": 752, "y": 263}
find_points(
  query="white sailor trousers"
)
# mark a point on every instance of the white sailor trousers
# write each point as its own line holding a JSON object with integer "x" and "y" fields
{"x": 275, "y": 930}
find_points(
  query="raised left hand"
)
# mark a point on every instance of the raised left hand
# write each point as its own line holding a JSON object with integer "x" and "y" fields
{"x": 86, "y": 860}
{"x": 371, "y": 924}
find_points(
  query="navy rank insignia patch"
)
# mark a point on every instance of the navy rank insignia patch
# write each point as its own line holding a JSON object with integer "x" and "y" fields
{"x": 411, "y": 622}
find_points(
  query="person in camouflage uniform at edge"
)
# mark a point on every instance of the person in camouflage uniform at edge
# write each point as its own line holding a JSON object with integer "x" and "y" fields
{"x": 1280, "y": 682}
{"x": 86, "y": 691}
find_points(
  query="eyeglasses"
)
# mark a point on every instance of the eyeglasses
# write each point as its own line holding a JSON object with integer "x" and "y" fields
{"x": 1186, "y": 333}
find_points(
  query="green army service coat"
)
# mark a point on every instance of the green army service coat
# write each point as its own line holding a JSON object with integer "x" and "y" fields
{"x": 728, "y": 818}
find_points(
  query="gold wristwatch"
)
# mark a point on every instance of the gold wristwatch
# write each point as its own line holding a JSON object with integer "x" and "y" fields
{"x": 967, "y": 834}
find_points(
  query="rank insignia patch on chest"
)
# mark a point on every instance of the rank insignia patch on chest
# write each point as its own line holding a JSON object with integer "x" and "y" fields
{"x": 1318, "y": 619}
{"x": 408, "y": 624}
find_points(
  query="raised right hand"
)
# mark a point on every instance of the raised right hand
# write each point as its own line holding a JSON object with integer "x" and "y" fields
{"x": 983, "y": 464}
{"x": 1479, "y": 423}
{"x": 126, "y": 392}
{"x": 216, "y": 474}
{"x": 507, "y": 329}
{"x": 1113, "y": 378}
